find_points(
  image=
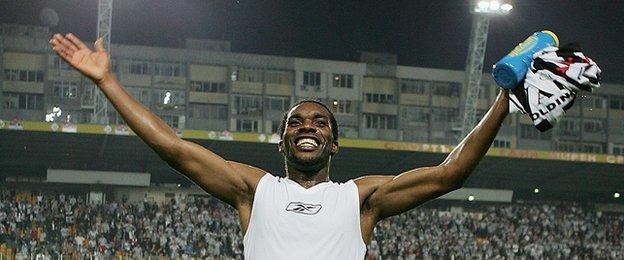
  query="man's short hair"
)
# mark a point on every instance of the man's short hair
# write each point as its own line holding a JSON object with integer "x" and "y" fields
{"x": 332, "y": 119}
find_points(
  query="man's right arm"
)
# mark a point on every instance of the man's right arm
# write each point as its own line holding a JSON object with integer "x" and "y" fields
{"x": 231, "y": 182}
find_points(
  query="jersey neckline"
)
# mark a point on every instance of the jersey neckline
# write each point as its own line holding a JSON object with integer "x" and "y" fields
{"x": 313, "y": 188}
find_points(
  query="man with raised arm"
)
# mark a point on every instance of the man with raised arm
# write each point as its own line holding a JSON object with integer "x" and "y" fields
{"x": 305, "y": 215}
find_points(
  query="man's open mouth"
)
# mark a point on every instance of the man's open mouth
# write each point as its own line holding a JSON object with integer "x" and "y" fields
{"x": 307, "y": 142}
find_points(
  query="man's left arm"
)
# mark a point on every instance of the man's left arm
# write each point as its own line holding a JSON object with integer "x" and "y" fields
{"x": 393, "y": 195}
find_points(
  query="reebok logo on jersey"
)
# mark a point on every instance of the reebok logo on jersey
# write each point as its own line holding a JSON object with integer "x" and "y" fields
{"x": 303, "y": 208}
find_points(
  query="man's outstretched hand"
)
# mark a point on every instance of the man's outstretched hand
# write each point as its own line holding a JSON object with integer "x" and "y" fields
{"x": 93, "y": 64}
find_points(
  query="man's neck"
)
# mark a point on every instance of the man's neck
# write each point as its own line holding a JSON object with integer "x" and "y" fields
{"x": 308, "y": 179}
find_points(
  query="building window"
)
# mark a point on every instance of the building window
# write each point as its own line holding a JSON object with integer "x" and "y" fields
{"x": 60, "y": 64}
{"x": 379, "y": 121}
{"x": 501, "y": 143}
{"x": 379, "y": 98}
{"x": 203, "y": 86}
{"x": 343, "y": 81}
{"x": 277, "y": 103}
{"x": 413, "y": 114}
{"x": 593, "y": 148}
{"x": 414, "y": 86}
{"x": 83, "y": 118}
{"x": 247, "y": 105}
{"x": 439, "y": 114}
{"x": 140, "y": 94}
{"x": 11, "y": 74}
{"x": 311, "y": 78}
{"x": 25, "y": 101}
{"x": 11, "y": 100}
{"x": 169, "y": 69}
{"x": 247, "y": 125}
{"x": 617, "y": 149}
{"x": 342, "y": 107}
{"x": 448, "y": 89}
{"x": 115, "y": 65}
{"x": 484, "y": 92}
{"x": 569, "y": 127}
{"x": 275, "y": 126}
{"x": 65, "y": 89}
{"x": 248, "y": 75}
{"x": 530, "y": 132}
{"x": 139, "y": 67}
{"x": 23, "y": 75}
{"x": 348, "y": 131}
{"x": 172, "y": 121}
{"x": 279, "y": 77}
{"x": 594, "y": 102}
{"x": 616, "y": 103}
{"x": 208, "y": 111}
{"x": 593, "y": 126}
{"x": 567, "y": 147}
{"x": 86, "y": 97}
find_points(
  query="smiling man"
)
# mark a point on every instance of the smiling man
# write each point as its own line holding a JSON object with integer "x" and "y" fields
{"x": 305, "y": 215}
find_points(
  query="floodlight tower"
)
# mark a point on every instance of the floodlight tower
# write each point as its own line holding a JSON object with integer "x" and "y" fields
{"x": 482, "y": 11}
{"x": 105, "y": 13}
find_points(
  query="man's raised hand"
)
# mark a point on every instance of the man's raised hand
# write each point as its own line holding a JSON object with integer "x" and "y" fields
{"x": 93, "y": 64}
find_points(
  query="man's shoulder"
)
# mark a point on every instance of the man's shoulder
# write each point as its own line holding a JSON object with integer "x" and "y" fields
{"x": 369, "y": 184}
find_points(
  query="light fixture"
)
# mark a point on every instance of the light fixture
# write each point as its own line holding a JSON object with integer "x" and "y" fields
{"x": 616, "y": 195}
{"x": 471, "y": 198}
{"x": 482, "y": 5}
{"x": 506, "y": 7}
{"x": 536, "y": 190}
{"x": 492, "y": 7}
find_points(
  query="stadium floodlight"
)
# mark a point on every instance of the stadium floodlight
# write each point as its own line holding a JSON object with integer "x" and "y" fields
{"x": 616, "y": 195}
{"x": 482, "y": 5}
{"x": 506, "y": 7}
{"x": 493, "y": 7}
{"x": 536, "y": 190}
{"x": 471, "y": 198}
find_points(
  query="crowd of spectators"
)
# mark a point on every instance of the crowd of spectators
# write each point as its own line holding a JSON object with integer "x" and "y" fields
{"x": 501, "y": 231}
{"x": 44, "y": 227}
{"x": 193, "y": 227}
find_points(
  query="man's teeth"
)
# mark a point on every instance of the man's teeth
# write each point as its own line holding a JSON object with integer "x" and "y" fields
{"x": 307, "y": 142}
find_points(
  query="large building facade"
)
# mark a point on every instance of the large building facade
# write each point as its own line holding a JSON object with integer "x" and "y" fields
{"x": 205, "y": 86}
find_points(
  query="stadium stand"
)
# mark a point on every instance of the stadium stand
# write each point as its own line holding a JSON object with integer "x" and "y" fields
{"x": 48, "y": 226}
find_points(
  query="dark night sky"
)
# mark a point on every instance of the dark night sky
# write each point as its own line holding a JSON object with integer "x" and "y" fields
{"x": 432, "y": 33}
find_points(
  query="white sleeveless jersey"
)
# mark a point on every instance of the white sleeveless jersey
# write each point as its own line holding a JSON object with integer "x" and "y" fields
{"x": 291, "y": 222}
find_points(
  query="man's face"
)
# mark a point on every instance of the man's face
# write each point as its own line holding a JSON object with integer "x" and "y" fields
{"x": 308, "y": 139}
